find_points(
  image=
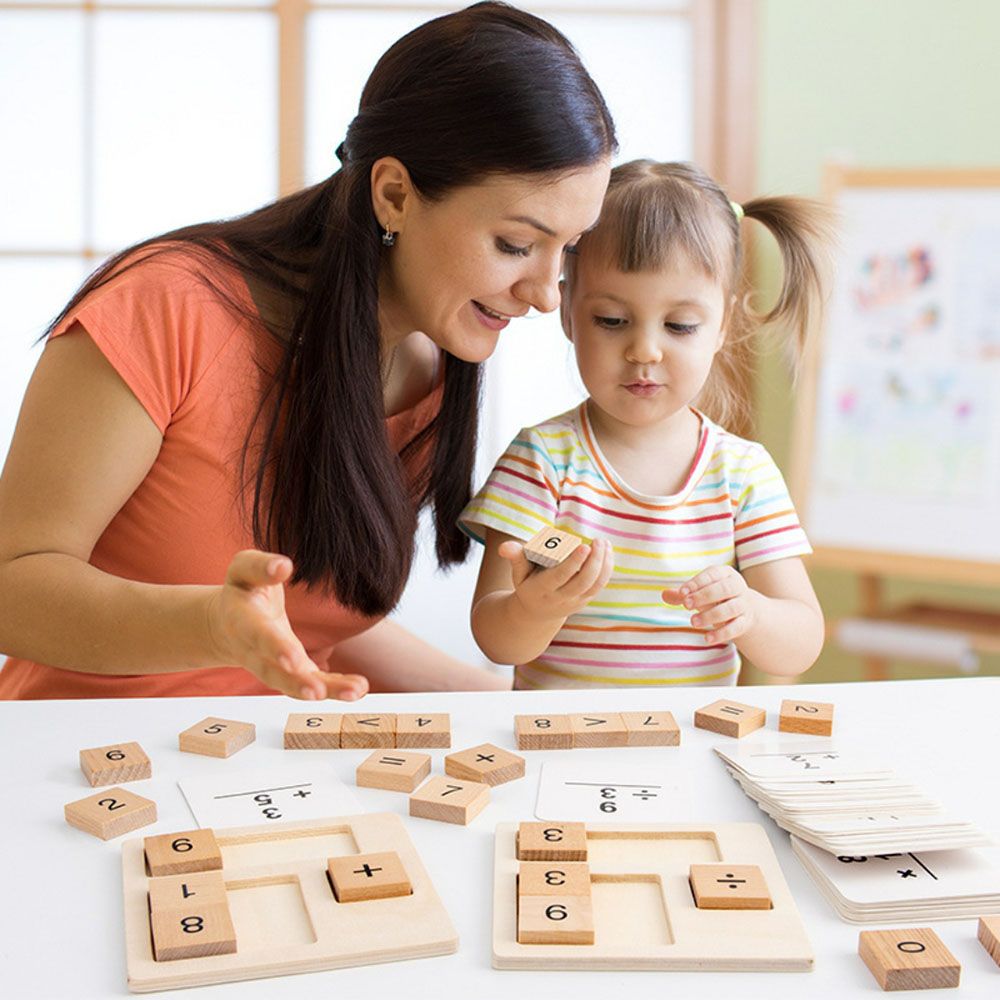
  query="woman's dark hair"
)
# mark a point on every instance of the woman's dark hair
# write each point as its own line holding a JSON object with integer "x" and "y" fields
{"x": 484, "y": 91}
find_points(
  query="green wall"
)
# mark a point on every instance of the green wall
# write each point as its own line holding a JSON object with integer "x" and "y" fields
{"x": 872, "y": 83}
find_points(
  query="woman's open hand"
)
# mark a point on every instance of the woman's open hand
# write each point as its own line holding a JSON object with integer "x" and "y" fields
{"x": 249, "y": 628}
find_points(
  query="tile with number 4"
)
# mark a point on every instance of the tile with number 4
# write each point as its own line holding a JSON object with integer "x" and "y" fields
{"x": 423, "y": 732}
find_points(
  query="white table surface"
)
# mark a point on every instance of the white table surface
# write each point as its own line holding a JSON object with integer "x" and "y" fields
{"x": 61, "y": 932}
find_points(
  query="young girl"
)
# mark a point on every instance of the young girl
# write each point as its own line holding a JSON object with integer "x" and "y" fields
{"x": 694, "y": 545}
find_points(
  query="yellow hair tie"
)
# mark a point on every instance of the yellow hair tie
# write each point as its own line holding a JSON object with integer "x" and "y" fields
{"x": 737, "y": 210}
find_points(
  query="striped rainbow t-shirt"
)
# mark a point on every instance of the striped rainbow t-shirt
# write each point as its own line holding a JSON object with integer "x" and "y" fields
{"x": 733, "y": 510}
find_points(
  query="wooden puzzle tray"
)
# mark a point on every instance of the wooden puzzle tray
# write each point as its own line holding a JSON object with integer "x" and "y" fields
{"x": 644, "y": 913}
{"x": 285, "y": 915}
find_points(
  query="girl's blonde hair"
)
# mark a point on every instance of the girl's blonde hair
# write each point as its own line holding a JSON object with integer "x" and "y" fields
{"x": 653, "y": 211}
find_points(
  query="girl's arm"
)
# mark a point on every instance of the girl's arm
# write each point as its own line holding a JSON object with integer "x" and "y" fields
{"x": 82, "y": 446}
{"x": 770, "y": 612}
{"x": 394, "y": 659}
{"x": 517, "y": 608}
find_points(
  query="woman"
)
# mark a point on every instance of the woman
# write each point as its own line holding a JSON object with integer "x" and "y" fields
{"x": 300, "y": 380}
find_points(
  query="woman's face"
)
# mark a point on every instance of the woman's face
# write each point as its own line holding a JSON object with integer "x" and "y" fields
{"x": 465, "y": 265}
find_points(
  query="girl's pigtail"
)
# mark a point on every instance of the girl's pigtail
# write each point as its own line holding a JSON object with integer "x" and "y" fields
{"x": 804, "y": 231}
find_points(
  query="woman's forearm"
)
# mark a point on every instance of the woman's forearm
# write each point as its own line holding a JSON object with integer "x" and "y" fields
{"x": 394, "y": 659}
{"x": 58, "y": 610}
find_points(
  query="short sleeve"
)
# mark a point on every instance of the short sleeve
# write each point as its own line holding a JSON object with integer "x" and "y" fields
{"x": 520, "y": 497}
{"x": 767, "y": 527}
{"x": 160, "y": 325}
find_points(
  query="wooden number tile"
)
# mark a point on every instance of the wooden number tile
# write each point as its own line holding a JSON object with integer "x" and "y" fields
{"x": 550, "y": 547}
{"x": 450, "y": 800}
{"x": 651, "y": 729}
{"x": 729, "y": 887}
{"x": 312, "y": 732}
{"x": 357, "y": 877}
{"x": 599, "y": 729}
{"x": 217, "y": 737}
{"x": 197, "y": 889}
{"x": 396, "y": 770}
{"x": 543, "y": 732}
{"x": 555, "y": 920}
{"x": 192, "y": 932}
{"x": 913, "y": 958}
{"x": 552, "y": 842}
{"x": 115, "y": 764}
{"x": 486, "y": 763}
{"x": 813, "y": 717}
{"x": 367, "y": 732}
{"x": 423, "y": 732}
{"x": 553, "y": 878}
{"x": 179, "y": 853}
{"x": 110, "y": 813}
{"x": 730, "y": 718}
{"x": 989, "y": 936}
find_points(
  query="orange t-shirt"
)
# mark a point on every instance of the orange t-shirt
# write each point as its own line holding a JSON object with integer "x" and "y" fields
{"x": 196, "y": 367}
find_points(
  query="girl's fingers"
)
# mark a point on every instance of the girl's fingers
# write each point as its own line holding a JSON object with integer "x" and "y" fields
{"x": 721, "y": 613}
{"x": 520, "y": 568}
{"x": 730, "y": 631}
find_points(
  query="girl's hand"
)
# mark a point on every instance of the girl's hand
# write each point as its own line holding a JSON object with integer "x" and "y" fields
{"x": 563, "y": 590}
{"x": 249, "y": 628}
{"x": 724, "y": 604}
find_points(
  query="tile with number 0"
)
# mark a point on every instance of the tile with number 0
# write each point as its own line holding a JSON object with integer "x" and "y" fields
{"x": 543, "y": 732}
{"x": 552, "y": 842}
{"x": 358, "y": 877}
{"x": 179, "y": 853}
{"x": 729, "y": 887}
{"x": 555, "y": 920}
{"x": 814, "y": 718}
{"x": 110, "y": 813}
{"x": 312, "y": 731}
{"x": 112, "y": 765}
{"x": 214, "y": 737}
{"x": 450, "y": 800}
{"x": 913, "y": 958}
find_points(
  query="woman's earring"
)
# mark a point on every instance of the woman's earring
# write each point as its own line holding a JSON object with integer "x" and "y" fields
{"x": 388, "y": 237}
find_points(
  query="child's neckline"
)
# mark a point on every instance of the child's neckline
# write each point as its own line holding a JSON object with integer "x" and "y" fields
{"x": 706, "y": 439}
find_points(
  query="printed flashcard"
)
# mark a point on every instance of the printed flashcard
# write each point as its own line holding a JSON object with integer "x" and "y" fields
{"x": 613, "y": 791}
{"x": 793, "y": 760}
{"x": 281, "y": 794}
{"x": 896, "y": 877}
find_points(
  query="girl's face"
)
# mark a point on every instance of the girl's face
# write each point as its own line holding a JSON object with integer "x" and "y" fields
{"x": 644, "y": 341}
{"x": 462, "y": 267}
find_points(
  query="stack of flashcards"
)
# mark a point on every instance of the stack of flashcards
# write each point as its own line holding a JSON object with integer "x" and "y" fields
{"x": 840, "y": 802}
{"x": 905, "y": 886}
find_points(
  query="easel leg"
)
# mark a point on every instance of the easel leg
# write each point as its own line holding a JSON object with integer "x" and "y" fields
{"x": 876, "y": 668}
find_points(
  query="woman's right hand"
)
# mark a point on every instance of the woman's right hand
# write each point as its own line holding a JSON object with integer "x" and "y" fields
{"x": 248, "y": 627}
{"x": 563, "y": 590}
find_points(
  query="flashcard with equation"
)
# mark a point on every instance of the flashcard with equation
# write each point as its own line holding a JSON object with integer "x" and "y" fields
{"x": 278, "y": 795}
{"x": 792, "y": 760}
{"x": 613, "y": 791}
